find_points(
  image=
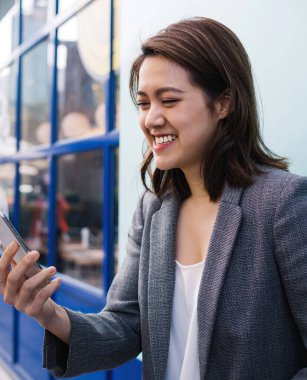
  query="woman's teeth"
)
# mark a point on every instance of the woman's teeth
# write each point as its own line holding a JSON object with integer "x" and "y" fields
{"x": 164, "y": 139}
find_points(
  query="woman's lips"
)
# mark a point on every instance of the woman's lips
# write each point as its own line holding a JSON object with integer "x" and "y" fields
{"x": 159, "y": 147}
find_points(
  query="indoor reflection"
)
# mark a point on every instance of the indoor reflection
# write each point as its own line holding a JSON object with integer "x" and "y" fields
{"x": 79, "y": 216}
{"x": 33, "y": 189}
{"x": 83, "y": 69}
{"x": 35, "y": 129}
{"x": 7, "y": 178}
{"x": 8, "y": 78}
{"x": 9, "y": 29}
{"x": 35, "y": 14}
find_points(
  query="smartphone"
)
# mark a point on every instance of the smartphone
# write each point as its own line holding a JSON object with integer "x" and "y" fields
{"x": 7, "y": 234}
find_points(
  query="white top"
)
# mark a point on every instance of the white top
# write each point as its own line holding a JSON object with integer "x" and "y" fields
{"x": 183, "y": 361}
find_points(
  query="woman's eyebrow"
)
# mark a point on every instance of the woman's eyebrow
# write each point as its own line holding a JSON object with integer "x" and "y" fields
{"x": 161, "y": 90}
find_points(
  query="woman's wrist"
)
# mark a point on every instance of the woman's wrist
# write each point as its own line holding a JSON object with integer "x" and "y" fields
{"x": 56, "y": 321}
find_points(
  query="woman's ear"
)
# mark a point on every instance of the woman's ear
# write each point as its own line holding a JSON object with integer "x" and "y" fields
{"x": 223, "y": 104}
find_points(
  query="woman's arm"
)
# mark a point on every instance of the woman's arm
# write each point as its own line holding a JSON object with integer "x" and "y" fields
{"x": 104, "y": 340}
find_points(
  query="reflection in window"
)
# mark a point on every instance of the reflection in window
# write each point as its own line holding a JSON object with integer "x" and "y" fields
{"x": 35, "y": 97}
{"x": 35, "y": 13}
{"x": 68, "y": 4}
{"x": 33, "y": 189}
{"x": 7, "y": 178}
{"x": 79, "y": 216}
{"x": 8, "y": 78}
{"x": 83, "y": 68}
{"x": 9, "y": 29}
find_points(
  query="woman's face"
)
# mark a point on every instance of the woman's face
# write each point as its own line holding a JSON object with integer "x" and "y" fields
{"x": 169, "y": 105}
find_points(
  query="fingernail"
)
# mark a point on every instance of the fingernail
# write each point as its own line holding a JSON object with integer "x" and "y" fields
{"x": 52, "y": 270}
{"x": 14, "y": 244}
{"x": 32, "y": 256}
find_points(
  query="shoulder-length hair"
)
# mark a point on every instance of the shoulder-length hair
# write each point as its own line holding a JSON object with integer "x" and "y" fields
{"x": 218, "y": 64}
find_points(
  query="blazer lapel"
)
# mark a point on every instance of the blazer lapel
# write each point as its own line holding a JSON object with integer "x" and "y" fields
{"x": 219, "y": 253}
{"x": 161, "y": 281}
{"x": 161, "y": 277}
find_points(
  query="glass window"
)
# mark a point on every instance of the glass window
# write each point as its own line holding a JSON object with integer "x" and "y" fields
{"x": 34, "y": 187}
{"x": 83, "y": 69}
{"x": 7, "y": 180}
{"x": 35, "y": 97}
{"x": 7, "y": 176}
{"x": 68, "y": 4}
{"x": 79, "y": 216}
{"x": 8, "y": 83}
{"x": 35, "y": 14}
{"x": 8, "y": 28}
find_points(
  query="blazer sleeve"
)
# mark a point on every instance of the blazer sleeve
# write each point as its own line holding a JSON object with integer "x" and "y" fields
{"x": 290, "y": 240}
{"x": 104, "y": 340}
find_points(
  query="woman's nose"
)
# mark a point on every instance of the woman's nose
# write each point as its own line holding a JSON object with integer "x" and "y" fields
{"x": 154, "y": 117}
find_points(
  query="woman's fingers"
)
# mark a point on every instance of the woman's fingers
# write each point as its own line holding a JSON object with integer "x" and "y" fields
{"x": 5, "y": 262}
{"x": 31, "y": 287}
{"x": 16, "y": 277}
{"x": 40, "y": 302}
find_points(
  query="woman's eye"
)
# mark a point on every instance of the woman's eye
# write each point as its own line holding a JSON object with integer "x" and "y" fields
{"x": 142, "y": 104}
{"x": 169, "y": 101}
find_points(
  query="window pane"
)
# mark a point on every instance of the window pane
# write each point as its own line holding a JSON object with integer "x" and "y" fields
{"x": 8, "y": 83}
{"x": 34, "y": 187}
{"x": 79, "y": 216}
{"x": 35, "y": 13}
{"x": 68, "y": 4}
{"x": 35, "y": 97}
{"x": 9, "y": 29}
{"x": 7, "y": 179}
{"x": 83, "y": 68}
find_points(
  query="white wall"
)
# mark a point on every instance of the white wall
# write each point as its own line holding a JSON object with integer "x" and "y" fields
{"x": 273, "y": 33}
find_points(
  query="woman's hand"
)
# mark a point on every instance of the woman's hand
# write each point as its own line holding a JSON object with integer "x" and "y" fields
{"x": 29, "y": 295}
{"x": 32, "y": 295}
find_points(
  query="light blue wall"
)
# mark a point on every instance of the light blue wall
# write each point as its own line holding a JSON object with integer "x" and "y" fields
{"x": 273, "y": 33}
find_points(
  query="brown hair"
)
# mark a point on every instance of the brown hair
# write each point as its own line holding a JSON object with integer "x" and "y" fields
{"x": 218, "y": 64}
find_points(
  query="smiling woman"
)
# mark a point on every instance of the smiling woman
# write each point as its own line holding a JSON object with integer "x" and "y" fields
{"x": 213, "y": 106}
{"x": 213, "y": 284}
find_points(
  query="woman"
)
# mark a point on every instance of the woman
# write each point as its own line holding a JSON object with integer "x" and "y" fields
{"x": 213, "y": 283}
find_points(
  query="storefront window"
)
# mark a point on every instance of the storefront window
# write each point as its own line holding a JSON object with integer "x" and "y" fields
{"x": 35, "y": 14}
{"x": 83, "y": 69}
{"x": 35, "y": 97}
{"x": 34, "y": 187}
{"x": 7, "y": 179}
{"x": 68, "y": 4}
{"x": 8, "y": 28}
{"x": 8, "y": 86}
{"x": 79, "y": 216}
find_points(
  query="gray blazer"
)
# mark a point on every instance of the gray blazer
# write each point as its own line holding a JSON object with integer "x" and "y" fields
{"x": 252, "y": 302}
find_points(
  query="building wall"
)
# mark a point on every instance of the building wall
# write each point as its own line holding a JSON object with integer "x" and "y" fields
{"x": 273, "y": 33}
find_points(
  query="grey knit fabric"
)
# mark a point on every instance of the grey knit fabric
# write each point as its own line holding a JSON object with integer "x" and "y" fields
{"x": 252, "y": 303}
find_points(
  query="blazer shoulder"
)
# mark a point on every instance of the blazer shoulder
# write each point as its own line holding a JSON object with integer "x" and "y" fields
{"x": 275, "y": 180}
{"x": 270, "y": 187}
